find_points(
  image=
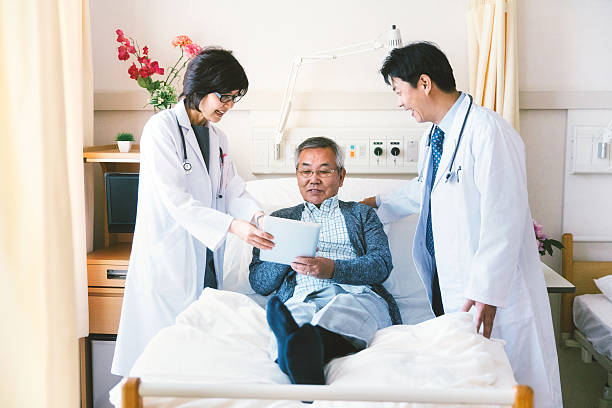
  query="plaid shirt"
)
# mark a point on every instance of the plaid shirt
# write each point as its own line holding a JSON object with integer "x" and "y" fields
{"x": 334, "y": 243}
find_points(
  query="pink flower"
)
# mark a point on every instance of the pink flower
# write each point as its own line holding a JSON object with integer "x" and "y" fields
{"x": 192, "y": 50}
{"x": 143, "y": 72}
{"x": 123, "y": 53}
{"x": 181, "y": 40}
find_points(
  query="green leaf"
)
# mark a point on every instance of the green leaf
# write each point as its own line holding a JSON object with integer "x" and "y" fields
{"x": 154, "y": 85}
{"x": 144, "y": 82}
{"x": 556, "y": 243}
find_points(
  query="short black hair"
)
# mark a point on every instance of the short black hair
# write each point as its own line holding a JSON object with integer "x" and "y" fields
{"x": 412, "y": 61}
{"x": 212, "y": 70}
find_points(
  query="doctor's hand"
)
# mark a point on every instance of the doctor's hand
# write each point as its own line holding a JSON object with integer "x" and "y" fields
{"x": 250, "y": 234}
{"x": 485, "y": 314}
{"x": 316, "y": 267}
{"x": 371, "y": 201}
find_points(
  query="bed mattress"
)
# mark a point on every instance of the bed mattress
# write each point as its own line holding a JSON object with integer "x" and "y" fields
{"x": 224, "y": 338}
{"x": 593, "y": 317}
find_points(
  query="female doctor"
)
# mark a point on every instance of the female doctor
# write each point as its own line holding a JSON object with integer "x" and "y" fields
{"x": 474, "y": 244}
{"x": 189, "y": 198}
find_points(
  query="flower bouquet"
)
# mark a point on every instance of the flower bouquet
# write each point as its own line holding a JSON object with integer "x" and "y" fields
{"x": 544, "y": 243}
{"x": 163, "y": 94}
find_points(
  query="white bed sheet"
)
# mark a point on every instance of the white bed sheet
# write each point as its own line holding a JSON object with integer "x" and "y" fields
{"x": 593, "y": 317}
{"x": 224, "y": 338}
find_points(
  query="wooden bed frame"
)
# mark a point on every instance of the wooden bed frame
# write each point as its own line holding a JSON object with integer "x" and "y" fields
{"x": 521, "y": 396}
{"x": 581, "y": 274}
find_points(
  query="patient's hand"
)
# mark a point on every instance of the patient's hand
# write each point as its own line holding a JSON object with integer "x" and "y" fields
{"x": 485, "y": 314}
{"x": 317, "y": 267}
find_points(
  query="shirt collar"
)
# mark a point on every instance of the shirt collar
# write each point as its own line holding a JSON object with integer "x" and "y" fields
{"x": 326, "y": 207}
{"x": 447, "y": 122}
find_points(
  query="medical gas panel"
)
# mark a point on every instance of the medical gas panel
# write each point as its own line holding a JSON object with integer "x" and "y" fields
{"x": 366, "y": 151}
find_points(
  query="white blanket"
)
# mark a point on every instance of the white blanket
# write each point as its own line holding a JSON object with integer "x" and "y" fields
{"x": 224, "y": 338}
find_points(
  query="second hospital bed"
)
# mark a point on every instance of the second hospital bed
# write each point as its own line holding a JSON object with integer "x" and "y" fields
{"x": 226, "y": 354}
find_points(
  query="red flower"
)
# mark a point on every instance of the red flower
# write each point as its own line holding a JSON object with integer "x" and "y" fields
{"x": 133, "y": 71}
{"x": 192, "y": 50}
{"x": 123, "y": 53}
{"x": 120, "y": 37}
{"x": 155, "y": 69}
{"x": 144, "y": 72}
{"x": 145, "y": 50}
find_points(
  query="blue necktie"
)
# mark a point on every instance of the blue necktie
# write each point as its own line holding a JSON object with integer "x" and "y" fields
{"x": 436, "y": 154}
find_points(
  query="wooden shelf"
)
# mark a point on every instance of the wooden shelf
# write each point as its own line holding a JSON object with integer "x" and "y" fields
{"x": 118, "y": 254}
{"x": 111, "y": 154}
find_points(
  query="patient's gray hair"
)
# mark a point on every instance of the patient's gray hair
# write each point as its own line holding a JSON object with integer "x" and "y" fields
{"x": 320, "y": 142}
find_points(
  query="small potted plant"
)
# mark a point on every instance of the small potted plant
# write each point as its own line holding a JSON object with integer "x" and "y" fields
{"x": 124, "y": 142}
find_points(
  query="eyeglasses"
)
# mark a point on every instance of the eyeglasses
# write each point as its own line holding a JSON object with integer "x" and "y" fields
{"x": 225, "y": 98}
{"x": 325, "y": 173}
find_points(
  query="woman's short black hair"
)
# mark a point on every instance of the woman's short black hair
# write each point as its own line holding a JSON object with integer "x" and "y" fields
{"x": 212, "y": 70}
{"x": 410, "y": 62}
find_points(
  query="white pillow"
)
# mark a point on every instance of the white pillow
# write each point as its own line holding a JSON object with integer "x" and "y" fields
{"x": 605, "y": 285}
{"x": 404, "y": 283}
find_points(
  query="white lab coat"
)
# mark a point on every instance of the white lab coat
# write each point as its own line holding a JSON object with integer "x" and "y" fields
{"x": 484, "y": 241}
{"x": 179, "y": 216}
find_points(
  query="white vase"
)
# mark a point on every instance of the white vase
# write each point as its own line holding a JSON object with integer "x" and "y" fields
{"x": 124, "y": 145}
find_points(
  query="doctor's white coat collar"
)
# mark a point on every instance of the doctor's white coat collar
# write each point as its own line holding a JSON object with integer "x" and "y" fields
{"x": 447, "y": 121}
{"x": 450, "y": 138}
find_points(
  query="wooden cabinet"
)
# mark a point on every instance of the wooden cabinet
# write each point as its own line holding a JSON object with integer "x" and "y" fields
{"x": 107, "y": 267}
{"x": 106, "y": 272}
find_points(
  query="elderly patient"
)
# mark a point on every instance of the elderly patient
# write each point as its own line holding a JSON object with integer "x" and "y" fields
{"x": 334, "y": 302}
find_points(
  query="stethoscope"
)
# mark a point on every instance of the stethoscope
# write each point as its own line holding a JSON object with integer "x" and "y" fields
{"x": 186, "y": 164}
{"x": 450, "y": 174}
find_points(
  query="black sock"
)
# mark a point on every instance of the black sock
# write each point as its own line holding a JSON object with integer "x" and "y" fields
{"x": 282, "y": 324}
{"x": 334, "y": 345}
{"x": 304, "y": 356}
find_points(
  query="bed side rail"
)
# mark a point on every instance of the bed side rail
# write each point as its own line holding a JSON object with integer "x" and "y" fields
{"x": 581, "y": 274}
{"x": 521, "y": 396}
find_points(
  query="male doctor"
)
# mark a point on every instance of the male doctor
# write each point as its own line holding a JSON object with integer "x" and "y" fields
{"x": 474, "y": 245}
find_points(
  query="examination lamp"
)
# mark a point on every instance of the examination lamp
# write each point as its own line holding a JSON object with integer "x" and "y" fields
{"x": 389, "y": 39}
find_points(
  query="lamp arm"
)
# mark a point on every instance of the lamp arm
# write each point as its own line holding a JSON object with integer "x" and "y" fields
{"x": 295, "y": 68}
{"x": 606, "y": 136}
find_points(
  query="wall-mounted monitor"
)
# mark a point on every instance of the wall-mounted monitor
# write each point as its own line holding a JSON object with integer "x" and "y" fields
{"x": 121, "y": 200}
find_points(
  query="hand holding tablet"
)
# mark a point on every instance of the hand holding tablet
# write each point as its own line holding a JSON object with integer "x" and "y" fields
{"x": 292, "y": 238}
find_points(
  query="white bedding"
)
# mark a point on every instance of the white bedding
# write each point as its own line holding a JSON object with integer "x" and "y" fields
{"x": 224, "y": 338}
{"x": 593, "y": 317}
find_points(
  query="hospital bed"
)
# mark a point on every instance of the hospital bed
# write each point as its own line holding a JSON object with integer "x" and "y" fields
{"x": 225, "y": 357}
{"x": 586, "y": 316}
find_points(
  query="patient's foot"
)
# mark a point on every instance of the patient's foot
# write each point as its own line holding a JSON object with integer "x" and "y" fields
{"x": 304, "y": 356}
{"x": 282, "y": 324}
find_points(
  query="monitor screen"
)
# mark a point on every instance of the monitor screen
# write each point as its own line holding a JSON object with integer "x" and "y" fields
{"x": 121, "y": 199}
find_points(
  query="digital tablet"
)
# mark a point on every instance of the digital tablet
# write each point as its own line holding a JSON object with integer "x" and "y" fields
{"x": 292, "y": 238}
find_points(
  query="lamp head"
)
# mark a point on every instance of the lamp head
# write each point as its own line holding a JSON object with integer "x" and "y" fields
{"x": 394, "y": 38}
